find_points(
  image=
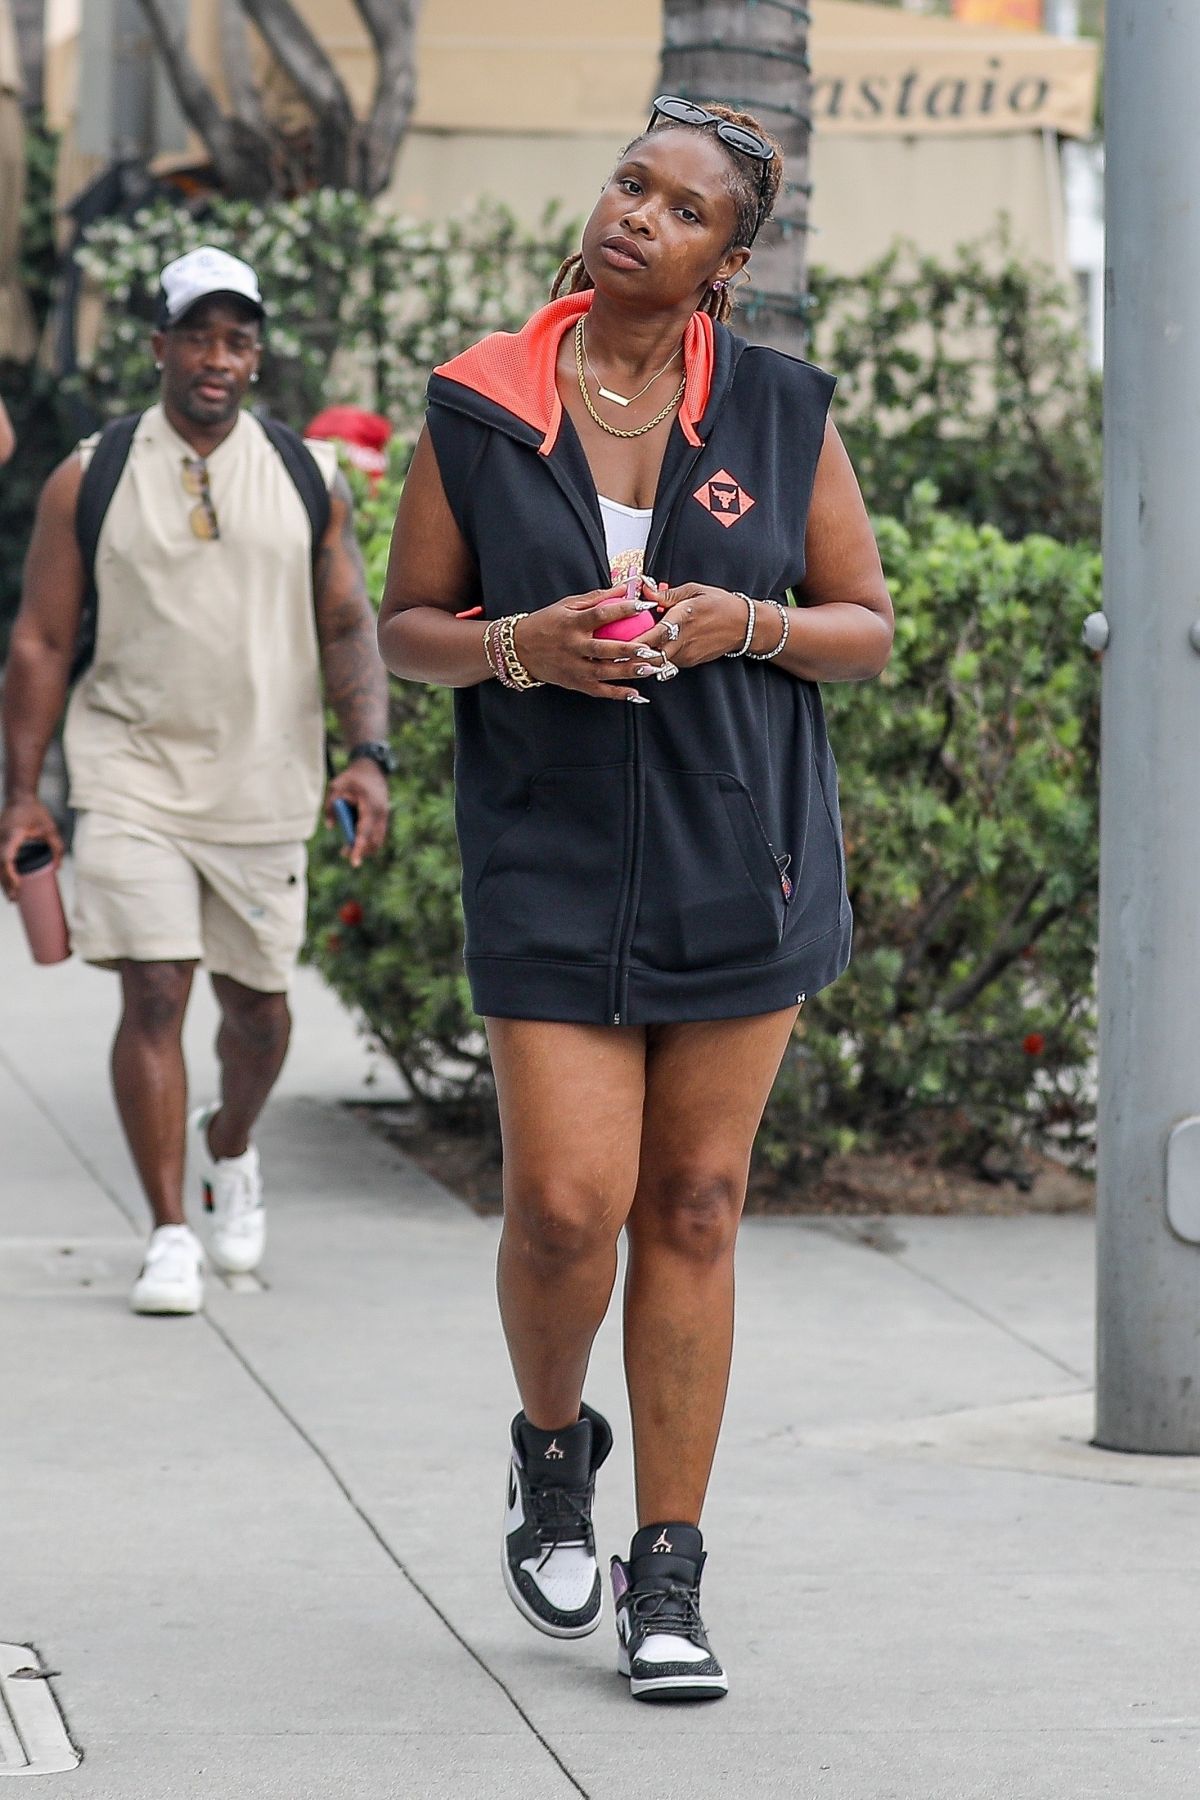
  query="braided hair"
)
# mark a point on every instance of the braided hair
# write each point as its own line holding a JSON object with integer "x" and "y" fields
{"x": 743, "y": 184}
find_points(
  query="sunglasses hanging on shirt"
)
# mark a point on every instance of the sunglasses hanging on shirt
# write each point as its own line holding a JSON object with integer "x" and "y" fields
{"x": 203, "y": 516}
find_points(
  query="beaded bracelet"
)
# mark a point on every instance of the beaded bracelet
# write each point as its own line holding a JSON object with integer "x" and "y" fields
{"x": 751, "y": 621}
{"x": 492, "y": 651}
{"x": 785, "y": 624}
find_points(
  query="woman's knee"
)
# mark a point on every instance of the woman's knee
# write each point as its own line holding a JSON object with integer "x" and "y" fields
{"x": 693, "y": 1211}
{"x": 556, "y": 1225}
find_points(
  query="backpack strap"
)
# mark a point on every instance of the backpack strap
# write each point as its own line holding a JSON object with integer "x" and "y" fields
{"x": 306, "y": 475}
{"x": 309, "y": 483}
{"x": 96, "y": 490}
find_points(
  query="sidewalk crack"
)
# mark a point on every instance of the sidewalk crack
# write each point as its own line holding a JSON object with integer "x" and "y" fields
{"x": 65, "y": 1137}
{"x": 356, "y": 1507}
{"x": 973, "y": 1306}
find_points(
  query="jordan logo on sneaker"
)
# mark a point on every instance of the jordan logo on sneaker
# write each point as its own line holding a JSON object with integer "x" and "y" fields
{"x": 661, "y": 1543}
{"x": 552, "y": 1453}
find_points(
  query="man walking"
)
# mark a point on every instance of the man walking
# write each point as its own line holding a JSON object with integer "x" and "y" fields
{"x": 194, "y": 739}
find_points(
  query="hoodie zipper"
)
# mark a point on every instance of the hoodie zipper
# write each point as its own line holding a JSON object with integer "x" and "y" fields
{"x": 633, "y": 874}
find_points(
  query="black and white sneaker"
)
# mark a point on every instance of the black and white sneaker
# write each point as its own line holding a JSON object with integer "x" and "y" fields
{"x": 661, "y": 1642}
{"x": 549, "y": 1551}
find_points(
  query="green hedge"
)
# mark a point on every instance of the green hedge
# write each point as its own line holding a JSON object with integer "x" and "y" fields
{"x": 969, "y": 777}
{"x": 969, "y": 373}
{"x": 969, "y": 794}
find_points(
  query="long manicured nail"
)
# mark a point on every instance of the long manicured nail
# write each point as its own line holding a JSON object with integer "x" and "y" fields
{"x": 638, "y": 699}
{"x": 647, "y": 653}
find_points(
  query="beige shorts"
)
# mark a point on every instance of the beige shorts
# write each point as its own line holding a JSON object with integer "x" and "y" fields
{"x": 139, "y": 894}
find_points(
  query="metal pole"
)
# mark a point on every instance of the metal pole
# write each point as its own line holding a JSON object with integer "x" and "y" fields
{"x": 1148, "y": 1350}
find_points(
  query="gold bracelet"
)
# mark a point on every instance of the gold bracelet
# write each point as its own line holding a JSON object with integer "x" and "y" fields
{"x": 518, "y": 674}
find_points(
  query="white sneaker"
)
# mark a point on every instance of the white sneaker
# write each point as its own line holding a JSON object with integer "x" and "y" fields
{"x": 172, "y": 1277}
{"x": 233, "y": 1199}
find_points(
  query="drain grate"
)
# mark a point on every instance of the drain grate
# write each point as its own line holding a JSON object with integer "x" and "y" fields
{"x": 33, "y": 1733}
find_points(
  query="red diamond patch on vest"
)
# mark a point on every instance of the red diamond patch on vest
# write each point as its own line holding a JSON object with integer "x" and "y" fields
{"x": 725, "y": 498}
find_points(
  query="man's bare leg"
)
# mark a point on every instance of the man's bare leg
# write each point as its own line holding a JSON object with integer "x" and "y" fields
{"x": 150, "y": 1080}
{"x": 252, "y": 1043}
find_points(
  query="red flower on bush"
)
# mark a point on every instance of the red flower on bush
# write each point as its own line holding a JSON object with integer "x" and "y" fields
{"x": 350, "y": 912}
{"x": 1034, "y": 1044}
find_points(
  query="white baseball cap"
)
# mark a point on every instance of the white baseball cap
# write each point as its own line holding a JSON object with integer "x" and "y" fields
{"x": 199, "y": 273}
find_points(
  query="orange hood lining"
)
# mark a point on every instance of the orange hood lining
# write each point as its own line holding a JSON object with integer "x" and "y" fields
{"x": 517, "y": 370}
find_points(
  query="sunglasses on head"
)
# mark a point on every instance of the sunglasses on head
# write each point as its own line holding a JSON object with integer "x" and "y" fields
{"x": 738, "y": 137}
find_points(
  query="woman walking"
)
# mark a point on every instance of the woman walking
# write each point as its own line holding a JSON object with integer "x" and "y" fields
{"x": 651, "y": 888}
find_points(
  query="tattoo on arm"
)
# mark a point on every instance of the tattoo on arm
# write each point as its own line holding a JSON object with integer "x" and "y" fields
{"x": 355, "y": 678}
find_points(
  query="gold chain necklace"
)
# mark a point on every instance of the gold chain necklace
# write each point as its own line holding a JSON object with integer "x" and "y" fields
{"x": 639, "y": 430}
{"x": 607, "y": 393}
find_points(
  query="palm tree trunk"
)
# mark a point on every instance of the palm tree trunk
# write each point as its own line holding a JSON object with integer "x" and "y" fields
{"x": 753, "y": 54}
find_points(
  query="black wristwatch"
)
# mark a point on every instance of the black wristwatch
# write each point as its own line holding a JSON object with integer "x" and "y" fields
{"x": 376, "y": 751}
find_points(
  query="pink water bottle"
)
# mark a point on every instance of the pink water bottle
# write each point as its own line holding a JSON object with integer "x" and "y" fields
{"x": 40, "y": 903}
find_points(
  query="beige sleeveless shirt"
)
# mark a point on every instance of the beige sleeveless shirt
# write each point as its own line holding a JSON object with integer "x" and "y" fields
{"x": 202, "y": 714}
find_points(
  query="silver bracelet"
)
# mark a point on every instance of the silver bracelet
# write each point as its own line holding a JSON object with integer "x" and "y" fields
{"x": 785, "y": 624}
{"x": 751, "y": 621}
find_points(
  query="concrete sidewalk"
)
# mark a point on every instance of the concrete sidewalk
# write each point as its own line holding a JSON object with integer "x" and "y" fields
{"x": 260, "y": 1548}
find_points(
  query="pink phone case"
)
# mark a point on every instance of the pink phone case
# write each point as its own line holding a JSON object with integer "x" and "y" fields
{"x": 636, "y": 625}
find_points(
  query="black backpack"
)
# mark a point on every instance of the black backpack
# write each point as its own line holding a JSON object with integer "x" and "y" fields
{"x": 99, "y": 484}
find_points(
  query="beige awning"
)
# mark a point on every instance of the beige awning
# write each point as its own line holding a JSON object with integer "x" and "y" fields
{"x": 570, "y": 66}
{"x": 529, "y": 65}
{"x": 879, "y": 72}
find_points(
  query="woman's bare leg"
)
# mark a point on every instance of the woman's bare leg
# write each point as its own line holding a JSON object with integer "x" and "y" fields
{"x": 571, "y": 1117}
{"x": 706, "y": 1087}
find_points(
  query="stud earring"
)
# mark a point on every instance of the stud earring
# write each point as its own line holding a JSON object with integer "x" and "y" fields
{"x": 254, "y": 377}
{"x": 719, "y": 287}
{"x": 158, "y": 368}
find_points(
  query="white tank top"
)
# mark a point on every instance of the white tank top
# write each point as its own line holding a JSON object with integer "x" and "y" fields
{"x": 201, "y": 714}
{"x": 626, "y": 529}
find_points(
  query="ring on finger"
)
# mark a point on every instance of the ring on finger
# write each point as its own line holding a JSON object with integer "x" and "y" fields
{"x": 668, "y": 672}
{"x": 671, "y": 629}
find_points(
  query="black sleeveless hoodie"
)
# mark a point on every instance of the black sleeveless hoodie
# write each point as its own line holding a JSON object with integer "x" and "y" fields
{"x": 642, "y": 864}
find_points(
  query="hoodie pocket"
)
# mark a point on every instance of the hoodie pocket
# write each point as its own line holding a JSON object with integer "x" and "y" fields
{"x": 551, "y": 883}
{"x": 711, "y": 890}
